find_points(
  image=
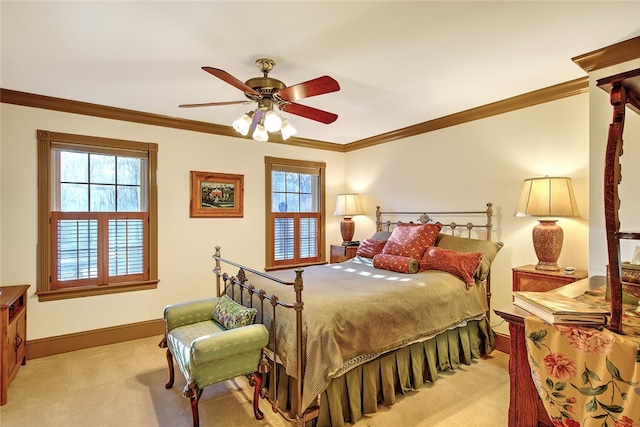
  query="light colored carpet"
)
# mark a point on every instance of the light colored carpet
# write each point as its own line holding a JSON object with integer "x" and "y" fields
{"x": 123, "y": 385}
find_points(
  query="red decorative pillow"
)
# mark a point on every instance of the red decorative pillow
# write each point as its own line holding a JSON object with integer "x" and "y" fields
{"x": 401, "y": 264}
{"x": 462, "y": 264}
{"x": 370, "y": 247}
{"x": 411, "y": 240}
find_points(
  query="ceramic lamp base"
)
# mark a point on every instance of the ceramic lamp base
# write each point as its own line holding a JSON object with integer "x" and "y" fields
{"x": 347, "y": 228}
{"x": 547, "y": 242}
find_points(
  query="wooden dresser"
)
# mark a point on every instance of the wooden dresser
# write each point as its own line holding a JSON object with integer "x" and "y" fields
{"x": 13, "y": 331}
{"x": 525, "y": 406}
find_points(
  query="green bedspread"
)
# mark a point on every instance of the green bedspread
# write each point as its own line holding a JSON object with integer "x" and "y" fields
{"x": 354, "y": 312}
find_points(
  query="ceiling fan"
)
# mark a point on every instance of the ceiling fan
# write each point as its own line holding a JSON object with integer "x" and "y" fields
{"x": 271, "y": 93}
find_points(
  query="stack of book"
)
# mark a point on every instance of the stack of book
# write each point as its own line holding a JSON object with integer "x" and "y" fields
{"x": 557, "y": 308}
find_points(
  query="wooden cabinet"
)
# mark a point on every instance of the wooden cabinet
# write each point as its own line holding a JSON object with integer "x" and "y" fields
{"x": 341, "y": 253}
{"x": 525, "y": 407}
{"x": 527, "y": 278}
{"x": 13, "y": 343}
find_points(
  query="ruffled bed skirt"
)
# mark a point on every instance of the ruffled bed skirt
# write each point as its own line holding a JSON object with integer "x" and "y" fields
{"x": 359, "y": 391}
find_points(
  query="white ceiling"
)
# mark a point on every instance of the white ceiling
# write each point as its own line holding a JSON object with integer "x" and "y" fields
{"x": 398, "y": 63}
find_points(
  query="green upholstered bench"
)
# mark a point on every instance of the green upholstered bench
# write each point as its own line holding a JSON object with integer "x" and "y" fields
{"x": 206, "y": 352}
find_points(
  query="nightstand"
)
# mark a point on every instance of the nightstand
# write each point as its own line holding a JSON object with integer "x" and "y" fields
{"x": 341, "y": 253}
{"x": 527, "y": 278}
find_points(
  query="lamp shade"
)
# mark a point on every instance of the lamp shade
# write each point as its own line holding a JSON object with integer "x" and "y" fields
{"x": 347, "y": 205}
{"x": 547, "y": 197}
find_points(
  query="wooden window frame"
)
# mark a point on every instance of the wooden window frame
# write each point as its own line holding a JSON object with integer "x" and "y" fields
{"x": 300, "y": 166}
{"x": 46, "y": 141}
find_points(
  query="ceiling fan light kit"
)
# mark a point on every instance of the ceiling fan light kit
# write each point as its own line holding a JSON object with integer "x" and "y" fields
{"x": 287, "y": 130}
{"x": 243, "y": 124}
{"x": 272, "y": 95}
{"x": 272, "y": 121}
{"x": 260, "y": 134}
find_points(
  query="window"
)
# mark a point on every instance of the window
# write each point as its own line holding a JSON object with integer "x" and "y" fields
{"x": 97, "y": 208}
{"x": 295, "y": 212}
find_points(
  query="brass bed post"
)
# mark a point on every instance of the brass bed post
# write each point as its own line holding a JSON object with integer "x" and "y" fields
{"x": 299, "y": 305}
{"x": 217, "y": 270}
{"x": 489, "y": 219}
{"x": 487, "y": 286}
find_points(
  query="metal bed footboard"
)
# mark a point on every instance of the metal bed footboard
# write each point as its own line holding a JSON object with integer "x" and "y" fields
{"x": 226, "y": 284}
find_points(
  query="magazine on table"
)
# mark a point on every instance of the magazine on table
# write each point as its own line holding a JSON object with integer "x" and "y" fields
{"x": 553, "y": 307}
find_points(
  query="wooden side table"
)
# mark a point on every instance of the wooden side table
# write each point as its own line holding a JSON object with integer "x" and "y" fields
{"x": 527, "y": 278}
{"x": 340, "y": 253}
{"x": 13, "y": 334}
{"x": 525, "y": 407}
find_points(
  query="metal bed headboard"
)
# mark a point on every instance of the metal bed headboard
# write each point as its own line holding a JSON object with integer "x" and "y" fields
{"x": 425, "y": 217}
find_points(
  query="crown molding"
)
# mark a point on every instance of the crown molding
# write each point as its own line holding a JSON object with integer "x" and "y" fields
{"x": 552, "y": 93}
{"x": 25, "y": 99}
{"x": 562, "y": 90}
{"x": 610, "y": 55}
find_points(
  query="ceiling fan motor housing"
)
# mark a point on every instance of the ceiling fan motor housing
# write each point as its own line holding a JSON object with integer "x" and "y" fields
{"x": 265, "y": 85}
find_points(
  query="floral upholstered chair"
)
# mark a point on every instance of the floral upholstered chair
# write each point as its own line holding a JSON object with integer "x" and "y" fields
{"x": 214, "y": 340}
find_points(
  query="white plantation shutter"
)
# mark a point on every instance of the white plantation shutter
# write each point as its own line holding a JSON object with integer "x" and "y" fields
{"x": 283, "y": 239}
{"x": 126, "y": 247}
{"x": 77, "y": 249}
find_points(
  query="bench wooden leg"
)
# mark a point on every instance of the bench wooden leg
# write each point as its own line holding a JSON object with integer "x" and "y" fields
{"x": 194, "y": 407}
{"x": 170, "y": 362}
{"x": 257, "y": 386}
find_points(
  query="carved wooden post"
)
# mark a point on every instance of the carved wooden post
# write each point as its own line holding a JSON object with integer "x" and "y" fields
{"x": 612, "y": 177}
{"x": 624, "y": 88}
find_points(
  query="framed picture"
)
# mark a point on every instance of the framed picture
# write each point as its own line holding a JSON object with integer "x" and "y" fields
{"x": 216, "y": 195}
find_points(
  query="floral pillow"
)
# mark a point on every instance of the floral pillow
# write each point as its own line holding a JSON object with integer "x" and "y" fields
{"x": 370, "y": 247}
{"x": 462, "y": 264}
{"x": 401, "y": 264}
{"x": 232, "y": 315}
{"x": 411, "y": 240}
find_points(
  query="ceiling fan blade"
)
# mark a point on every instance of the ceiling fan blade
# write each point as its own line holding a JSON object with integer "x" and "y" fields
{"x": 319, "y": 86}
{"x": 213, "y": 104}
{"x": 228, "y": 78}
{"x": 309, "y": 112}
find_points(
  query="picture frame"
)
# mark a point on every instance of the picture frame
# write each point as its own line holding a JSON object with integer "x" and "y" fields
{"x": 216, "y": 195}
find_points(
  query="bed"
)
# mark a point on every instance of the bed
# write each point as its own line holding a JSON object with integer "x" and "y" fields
{"x": 357, "y": 334}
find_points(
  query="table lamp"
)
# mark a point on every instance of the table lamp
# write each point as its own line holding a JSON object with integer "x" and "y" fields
{"x": 547, "y": 197}
{"x": 347, "y": 205}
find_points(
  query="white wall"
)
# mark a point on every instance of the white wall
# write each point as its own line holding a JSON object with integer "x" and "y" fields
{"x": 185, "y": 244}
{"x": 463, "y": 167}
{"x": 600, "y": 116}
{"x": 460, "y": 168}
